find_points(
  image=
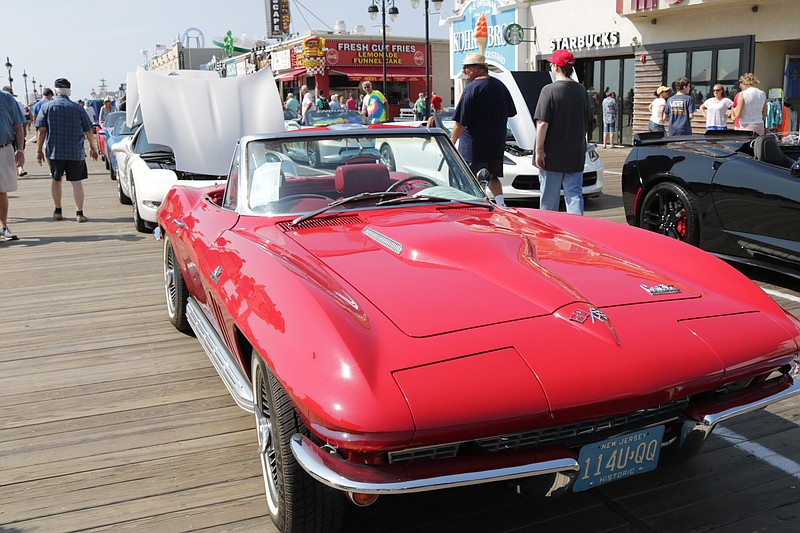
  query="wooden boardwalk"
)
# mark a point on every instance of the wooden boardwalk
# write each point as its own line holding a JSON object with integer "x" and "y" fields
{"x": 112, "y": 420}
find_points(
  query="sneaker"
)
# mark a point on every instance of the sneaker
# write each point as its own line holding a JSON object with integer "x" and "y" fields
{"x": 57, "y": 215}
{"x": 6, "y": 235}
{"x": 22, "y": 173}
{"x": 81, "y": 218}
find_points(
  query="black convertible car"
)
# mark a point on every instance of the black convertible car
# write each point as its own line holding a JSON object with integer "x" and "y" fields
{"x": 730, "y": 193}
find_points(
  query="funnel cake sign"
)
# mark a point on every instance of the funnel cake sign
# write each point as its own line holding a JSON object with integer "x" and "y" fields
{"x": 370, "y": 54}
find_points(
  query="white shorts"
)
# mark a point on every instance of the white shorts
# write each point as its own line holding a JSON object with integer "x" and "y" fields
{"x": 8, "y": 169}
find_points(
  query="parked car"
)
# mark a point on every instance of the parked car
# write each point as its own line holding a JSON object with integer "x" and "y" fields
{"x": 103, "y": 132}
{"x": 520, "y": 178}
{"x": 120, "y": 131}
{"x": 394, "y": 331}
{"x": 729, "y": 193}
{"x": 183, "y": 144}
{"x": 146, "y": 172}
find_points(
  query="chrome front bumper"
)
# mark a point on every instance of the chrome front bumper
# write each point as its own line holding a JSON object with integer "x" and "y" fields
{"x": 326, "y": 466}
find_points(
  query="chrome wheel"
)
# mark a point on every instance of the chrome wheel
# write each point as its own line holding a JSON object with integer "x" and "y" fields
{"x": 266, "y": 448}
{"x": 175, "y": 289}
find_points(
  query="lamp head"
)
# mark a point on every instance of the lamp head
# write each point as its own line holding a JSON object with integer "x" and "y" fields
{"x": 373, "y": 11}
{"x": 414, "y": 4}
{"x": 437, "y": 5}
{"x": 393, "y": 12}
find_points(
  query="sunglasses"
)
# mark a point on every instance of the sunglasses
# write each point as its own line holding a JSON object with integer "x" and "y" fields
{"x": 717, "y": 90}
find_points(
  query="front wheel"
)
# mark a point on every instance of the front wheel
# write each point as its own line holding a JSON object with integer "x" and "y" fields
{"x": 671, "y": 210}
{"x": 296, "y": 502}
{"x": 175, "y": 288}
{"x": 138, "y": 221}
{"x": 387, "y": 157}
{"x": 314, "y": 157}
{"x": 124, "y": 199}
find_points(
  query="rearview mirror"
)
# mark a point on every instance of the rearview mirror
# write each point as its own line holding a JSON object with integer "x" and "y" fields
{"x": 483, "y": 177}
{"x": 795, "y": 171}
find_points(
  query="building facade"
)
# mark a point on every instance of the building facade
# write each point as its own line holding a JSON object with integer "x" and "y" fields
{"x": 337, "y": 62}
{"x": 630, "y": 47}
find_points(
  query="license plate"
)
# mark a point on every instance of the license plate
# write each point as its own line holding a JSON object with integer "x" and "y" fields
{"x": 618, "y": 458}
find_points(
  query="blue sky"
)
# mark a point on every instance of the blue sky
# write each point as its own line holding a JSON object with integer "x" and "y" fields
{"x": 50, "y": 39}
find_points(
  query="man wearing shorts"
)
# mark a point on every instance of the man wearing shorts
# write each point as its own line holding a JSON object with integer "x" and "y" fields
{"x": 62, "y": 126}
{"x": 11, "y": 132}
{"x": 481, "y": 119}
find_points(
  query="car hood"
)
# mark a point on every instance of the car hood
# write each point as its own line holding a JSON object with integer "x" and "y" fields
{"x": 501, "y": 266}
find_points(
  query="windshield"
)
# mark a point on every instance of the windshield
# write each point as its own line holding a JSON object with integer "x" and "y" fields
{"x": 329, "y": 117}
{"x": 294, "y": 176}
{"x": 121, "y": 128}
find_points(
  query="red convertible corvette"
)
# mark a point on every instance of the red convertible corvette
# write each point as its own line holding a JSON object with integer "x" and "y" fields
{"x": 394, "y": 331}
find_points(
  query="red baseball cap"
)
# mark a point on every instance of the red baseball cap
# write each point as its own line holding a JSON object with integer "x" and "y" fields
{"x": 562, "y": 58}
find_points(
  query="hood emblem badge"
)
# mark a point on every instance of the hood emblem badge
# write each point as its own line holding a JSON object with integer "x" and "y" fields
{"x": 215, "y": 274}
{"x": 660, "y": 289}
{"x": 581, "y": 316}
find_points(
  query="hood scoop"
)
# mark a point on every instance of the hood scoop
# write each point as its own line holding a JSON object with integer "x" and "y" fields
{"x": 383, "y": 240}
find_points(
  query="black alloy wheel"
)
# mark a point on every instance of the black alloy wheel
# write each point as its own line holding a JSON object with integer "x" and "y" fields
{"x": 671, "y": 210}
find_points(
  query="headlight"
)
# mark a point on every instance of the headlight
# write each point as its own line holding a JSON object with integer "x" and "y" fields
{"x": 151, "y": 204}
{"x": 593, "y": 155}
{"x": 507, "y": 161}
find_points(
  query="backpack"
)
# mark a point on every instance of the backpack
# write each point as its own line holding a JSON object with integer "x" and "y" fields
{"x": 322, "y": 103}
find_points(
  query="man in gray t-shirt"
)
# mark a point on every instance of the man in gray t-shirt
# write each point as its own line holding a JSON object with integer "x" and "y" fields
{"x": 561, "y": 116}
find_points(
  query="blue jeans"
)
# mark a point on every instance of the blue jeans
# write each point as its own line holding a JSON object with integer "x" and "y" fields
{"x": 550, "y": 187}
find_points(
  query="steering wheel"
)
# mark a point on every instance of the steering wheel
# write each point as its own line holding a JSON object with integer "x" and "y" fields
{"x": 410, "y": 183}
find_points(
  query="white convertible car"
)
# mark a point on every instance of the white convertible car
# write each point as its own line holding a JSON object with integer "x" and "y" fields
{"x": 520, "y": 176}
{"x": 147, "y": 174}
{"x": 191, "y": 122}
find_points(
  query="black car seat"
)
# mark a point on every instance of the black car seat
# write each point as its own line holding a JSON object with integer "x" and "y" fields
{"x": 767, "y": 149}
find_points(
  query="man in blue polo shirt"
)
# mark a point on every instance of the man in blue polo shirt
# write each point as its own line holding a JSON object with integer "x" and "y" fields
{"x": 11, "y": 130}
{"x": 62, "y": 125}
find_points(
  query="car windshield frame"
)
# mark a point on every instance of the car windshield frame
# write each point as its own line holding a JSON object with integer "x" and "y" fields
{"x": 275, "y": 177}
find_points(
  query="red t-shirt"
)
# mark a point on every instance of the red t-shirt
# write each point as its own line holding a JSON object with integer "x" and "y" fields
{"x": 436, "y": 102}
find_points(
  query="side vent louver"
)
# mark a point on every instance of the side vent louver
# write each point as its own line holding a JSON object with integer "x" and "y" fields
{"x": 322, "y": 223}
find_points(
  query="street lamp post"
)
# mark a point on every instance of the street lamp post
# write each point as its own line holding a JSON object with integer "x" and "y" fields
{"x": 35, "y": 98}
{"x": 9, "y": 66}
{"x": 373, "y": 14}
{"x": 25, "y": 79}
{"x": 437, "y": 5}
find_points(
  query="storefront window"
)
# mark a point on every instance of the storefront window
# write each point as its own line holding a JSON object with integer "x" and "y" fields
{"x": 706, "y": 66}
{"x": 676, "y": 67}
{"x": 701, "y": 76}
{"x": 728, "y": 70}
